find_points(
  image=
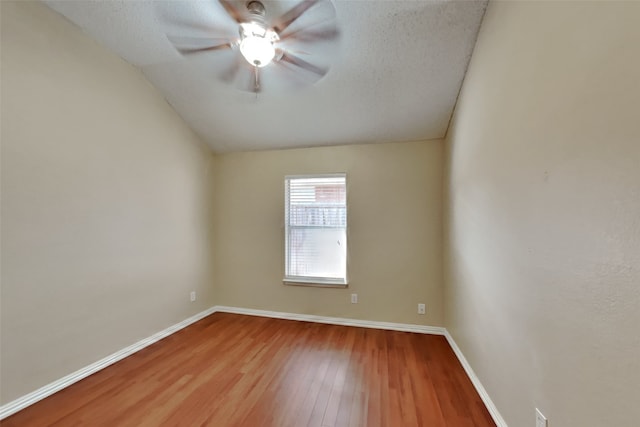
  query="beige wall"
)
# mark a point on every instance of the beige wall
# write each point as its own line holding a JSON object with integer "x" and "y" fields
{"x": 543, "y": 236}
{"x": 394, "y": 237}
{"x": 105, "y": 204}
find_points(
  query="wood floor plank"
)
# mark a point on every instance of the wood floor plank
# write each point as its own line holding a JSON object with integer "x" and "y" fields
{"x": 234, "y": 370}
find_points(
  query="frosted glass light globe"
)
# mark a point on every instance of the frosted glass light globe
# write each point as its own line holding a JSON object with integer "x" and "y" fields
{"x": 258, "y": 51}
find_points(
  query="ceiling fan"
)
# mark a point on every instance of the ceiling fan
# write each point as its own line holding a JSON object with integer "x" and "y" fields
{"x": 262, "y": 42}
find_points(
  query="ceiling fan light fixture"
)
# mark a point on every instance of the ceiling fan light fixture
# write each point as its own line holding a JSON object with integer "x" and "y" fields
{"x": 257, "y": 44}
{"x": 262, "y": 40}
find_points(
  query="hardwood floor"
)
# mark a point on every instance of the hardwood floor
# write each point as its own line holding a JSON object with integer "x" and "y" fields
{"x": 233, "y": 370}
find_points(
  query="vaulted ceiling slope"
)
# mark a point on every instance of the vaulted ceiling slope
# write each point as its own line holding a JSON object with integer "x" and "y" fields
{"x": 395, "y": 71}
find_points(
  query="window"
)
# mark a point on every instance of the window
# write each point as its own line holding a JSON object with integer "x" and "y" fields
{"x": 316, "y": 229}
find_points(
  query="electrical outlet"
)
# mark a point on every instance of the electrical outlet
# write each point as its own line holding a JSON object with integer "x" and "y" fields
{"x": 421, "y": 309}
{"x": 541, "y": 420}
{"x": 193, "y": 296}
{"x": 354, "y": 298}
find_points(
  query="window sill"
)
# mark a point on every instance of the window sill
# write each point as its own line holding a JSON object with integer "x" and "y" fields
{"x": 315, "y": 281}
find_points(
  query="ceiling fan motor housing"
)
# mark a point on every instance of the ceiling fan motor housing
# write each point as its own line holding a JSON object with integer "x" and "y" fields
{"x": 257, "y": 11}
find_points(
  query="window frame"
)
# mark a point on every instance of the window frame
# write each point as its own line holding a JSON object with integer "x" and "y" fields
{"x": 309, "y": 280}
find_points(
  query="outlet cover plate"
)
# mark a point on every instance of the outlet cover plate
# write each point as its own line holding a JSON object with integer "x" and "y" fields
{"x": 541, "y": 420}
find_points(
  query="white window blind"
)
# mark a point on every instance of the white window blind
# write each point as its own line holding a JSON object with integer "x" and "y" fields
{"x": 316, "y": 229}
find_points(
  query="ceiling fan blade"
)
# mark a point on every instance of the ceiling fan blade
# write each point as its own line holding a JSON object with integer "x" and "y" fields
{"x": 299, "y": 62}
{"x": 292, "y": 14}
{"x": 312, "y": 35}
{"x": 232, "y": 11}
{"x": 190, "y": 51}
{"x": 187, "y": 41}
{"x": 229, "y": 75}
{"x": 183, "y": 25}
{"x": 188, "y": 45}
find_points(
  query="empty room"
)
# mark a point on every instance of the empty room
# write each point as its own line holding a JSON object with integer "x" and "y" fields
{"x": 320, "y": 213}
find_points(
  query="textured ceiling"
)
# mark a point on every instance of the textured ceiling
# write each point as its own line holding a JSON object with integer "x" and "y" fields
{"x": 395, "y": 71}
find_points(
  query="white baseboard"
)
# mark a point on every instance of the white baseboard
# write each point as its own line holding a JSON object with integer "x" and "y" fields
{"x": 39, "y": 394}
{"x": 403, "y": 327}
{"x": 493, "y": 411}
{"x": 51, "y": 388}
